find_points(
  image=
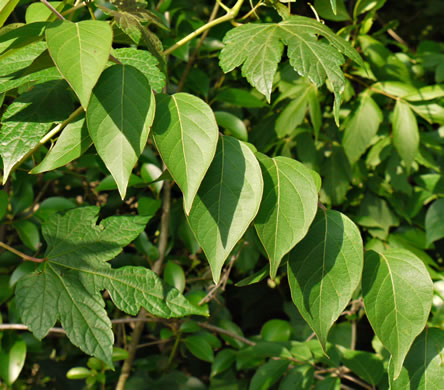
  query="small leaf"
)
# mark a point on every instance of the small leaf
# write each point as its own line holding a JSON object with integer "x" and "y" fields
{"x": 423, "y": 367}
{"x": 299, "y": 377}
{"x": 200, "y": 348}
{"x": 268, "y": 374}
{"x": 276, "y": 330}
{"x": 325, "y": 269}
{"x": 223, "y": 360}
{"x": 288, "y": 206}
{"x": 426, "y": 93}
{"x": 227, "y": 201}
{"x": 405, "y": 132}
{"x": 28, "y": 233}
{"x": 434, "y": 223}
{"x": 71, "y": 144}
{"x": 292, "y": 115}
{"x": 185, "y": 133}
{"x": 80, "y": 52}
{"x": 119, "y": 117}
{"x": 233, "y": 124}
{"x": 396, "y": 314}
{"x": 174, "y": 276}
{"x": 12, "y": 361}
{"x": 361, "y": 128}
{"x": 367, "y": 366}
{"x": 6, "y": 8}
{"x": 78, "y": 373}
{"x": 21, "y": 58}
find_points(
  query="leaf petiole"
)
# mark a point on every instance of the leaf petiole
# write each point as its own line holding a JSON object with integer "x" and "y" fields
{"x": 21, "y": 254}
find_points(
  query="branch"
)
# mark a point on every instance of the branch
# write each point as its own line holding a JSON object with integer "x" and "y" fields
{"x": 226, "y": 333}
{"x": 230, "y": 15}
{"x": 24, "y": 327}
{"x": 21, "y": 254}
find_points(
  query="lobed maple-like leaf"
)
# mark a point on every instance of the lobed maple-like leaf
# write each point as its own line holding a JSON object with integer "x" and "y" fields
{"x": 258, "y": 48}
{"x": 67, "y": 285}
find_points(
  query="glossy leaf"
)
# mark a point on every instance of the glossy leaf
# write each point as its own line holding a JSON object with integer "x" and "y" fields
{"x": 28, "y": 233}
{"x": 276, "y": 330}
{"x": 233, "y": 124}
{"x": 361, "y": 129}
{"x": 299, "y": 377}
{"x": 222, "y": 361}
{"x": 423, "y": 367}
{"x": 397, "y": 292}
{"x": 6, "y": 8}
{"x": 119, "y": 117}
{"x": 174, "y": 276}
{"x": 80, "y": 52}
{"x": 67, "y": 285}
{"x": 71, "y": 144}
{"x": 186, "y": 134}
{"x": 288, "y": 206}
{"x": 12, "y": 361}
{"x": 325, "y": 269}
{"x": 268, "y": 374}
{"x": 434, "y": 222}
{"x": 405, "y": 132}
{"x": 366, "y": 365}
{"x": 258, "y": 48}
{"x": 29, "y": 118}
{"x": 200, "y": 348}
{"x": 20, "y": 58}
{"x": 227, "y": 201}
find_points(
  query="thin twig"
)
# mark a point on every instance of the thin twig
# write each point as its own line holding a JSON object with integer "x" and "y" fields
{"x": 53, "y": 10}
{"x": 24, "y": 327}
{"x": 226, "y": 333}
{"x": 73, "y": 9}
{"x": 21, "y": 254}
{"x": 151, "y": 343}
{"x": 357, "y": 381}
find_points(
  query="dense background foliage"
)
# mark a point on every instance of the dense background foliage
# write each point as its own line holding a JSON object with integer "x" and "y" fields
{"x": 111, "y": 217}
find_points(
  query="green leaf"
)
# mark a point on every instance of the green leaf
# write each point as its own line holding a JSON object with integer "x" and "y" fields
{"x": 430, "y": 111}
{"x": 12, "y": 361}
{"x": 276, "y": 330}
{"x": 227, "y": 201}
{"x": 259, "y": 47}
{"x": 292, "y": 115}
{"x": 4, "y": 201}
{"x": 119, "y": 117}
{"x": 314, "y": 107}
{"x": 233, "y": 124}
{"x": 71, "y": 144}
{"x": 185, "y": 133}
{"x": 174, "y": 276}
{"x": 361, "y": 129}
{"x": 80, "y": 52}
{"x": 326, "y": 10}
{"x": 239, "y": 97}
{"x": 397, "y": 292}
{"x": 39, "y": 12}
{"x": 325, "y": 269}
{"x": 21, "y": 36}
{"x": 38, "y": 77}
{"x": 223, "y": 360}
{"x": 18, "y": 59}
{"x": 145, "y": 62}
{"x": 268, "y": 374}
{"x": 299, "y": 377}
{"x": 6, "y": 8}
{"x": 434, "y": 223}
{"x": 423, "y": 367}
{"x": 28, "y": 233}
{"x": 288, "y": 206}
{"x": 367, "y": 366}
{"x": 200, "y": 348}
{"x": 78, "y": 373}
{"x": 29, "y": 118}
{"x": 405, "y": 132}
{"x": 426, "y": 93}
{"x": 67, "y": 284}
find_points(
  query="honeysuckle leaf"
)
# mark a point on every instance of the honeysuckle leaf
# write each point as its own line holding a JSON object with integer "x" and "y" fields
{"x": 259, "y": 47}
{"x": 397, "y": 292}
{"x": 324, "y": 270}
{"x": 288, "y": 206}
{"x": 227, "y": 201}
{"x": 186, "y": 134}
{"x": 80, "y": 52}
{"x": 29, "y": 118}
{"x": 119, "y": 117}
{"x": 67, "y": 285}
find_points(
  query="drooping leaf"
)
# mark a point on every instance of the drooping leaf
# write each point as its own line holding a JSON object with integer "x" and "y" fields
{"x": 288, "y": 206}
{"x": 29, "y": 118}
{"x": 21, "y": 36}
{"x": 200, "y": 348}
{"x": 268, "y": 374}
{"x": 324, "y": 270}
{"x": 434, "y": 222}
{"x": 397, "y": 292}
{"x": 80, "y": 52}
{"x": 227, "y": 201}
{"x": 67, "y": 285}
{"x": 145, "y": 62}
{"x": 119, "y": 117}
{"x": 71, "y": 144}
{"x": 405, "y": 132}
{"x": 258, "y": 48}
{"x": 361, "y": 128}
{"x": 423, "y": 367}
{"x": 186, "y": 133}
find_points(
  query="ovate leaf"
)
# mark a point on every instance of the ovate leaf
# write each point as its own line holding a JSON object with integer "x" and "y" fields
{"x": 324, "y": 270}
{"x": 67, "y": 284}
{"x": 434, "y": 222}
{"x": 288, "y": 206}
{"x": 405, "y": 132}
{"x": 227, "y": 201}
{"x": 258, "y": 48}
{"x": 29, "y": 118}
{"x": 423, "y": 367}
{"x": 12, "y": 361}
{"x": 361, "y": 128}
{"x": 71, "y": 144}
{"x": 18, "y": 59}
{"x": 80, "y": 52}
{"x": 186, "y": 133}
{"x": 397, "y": 292}
{"x": 268, "y": 374}
{"x": 119, "y": 117}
